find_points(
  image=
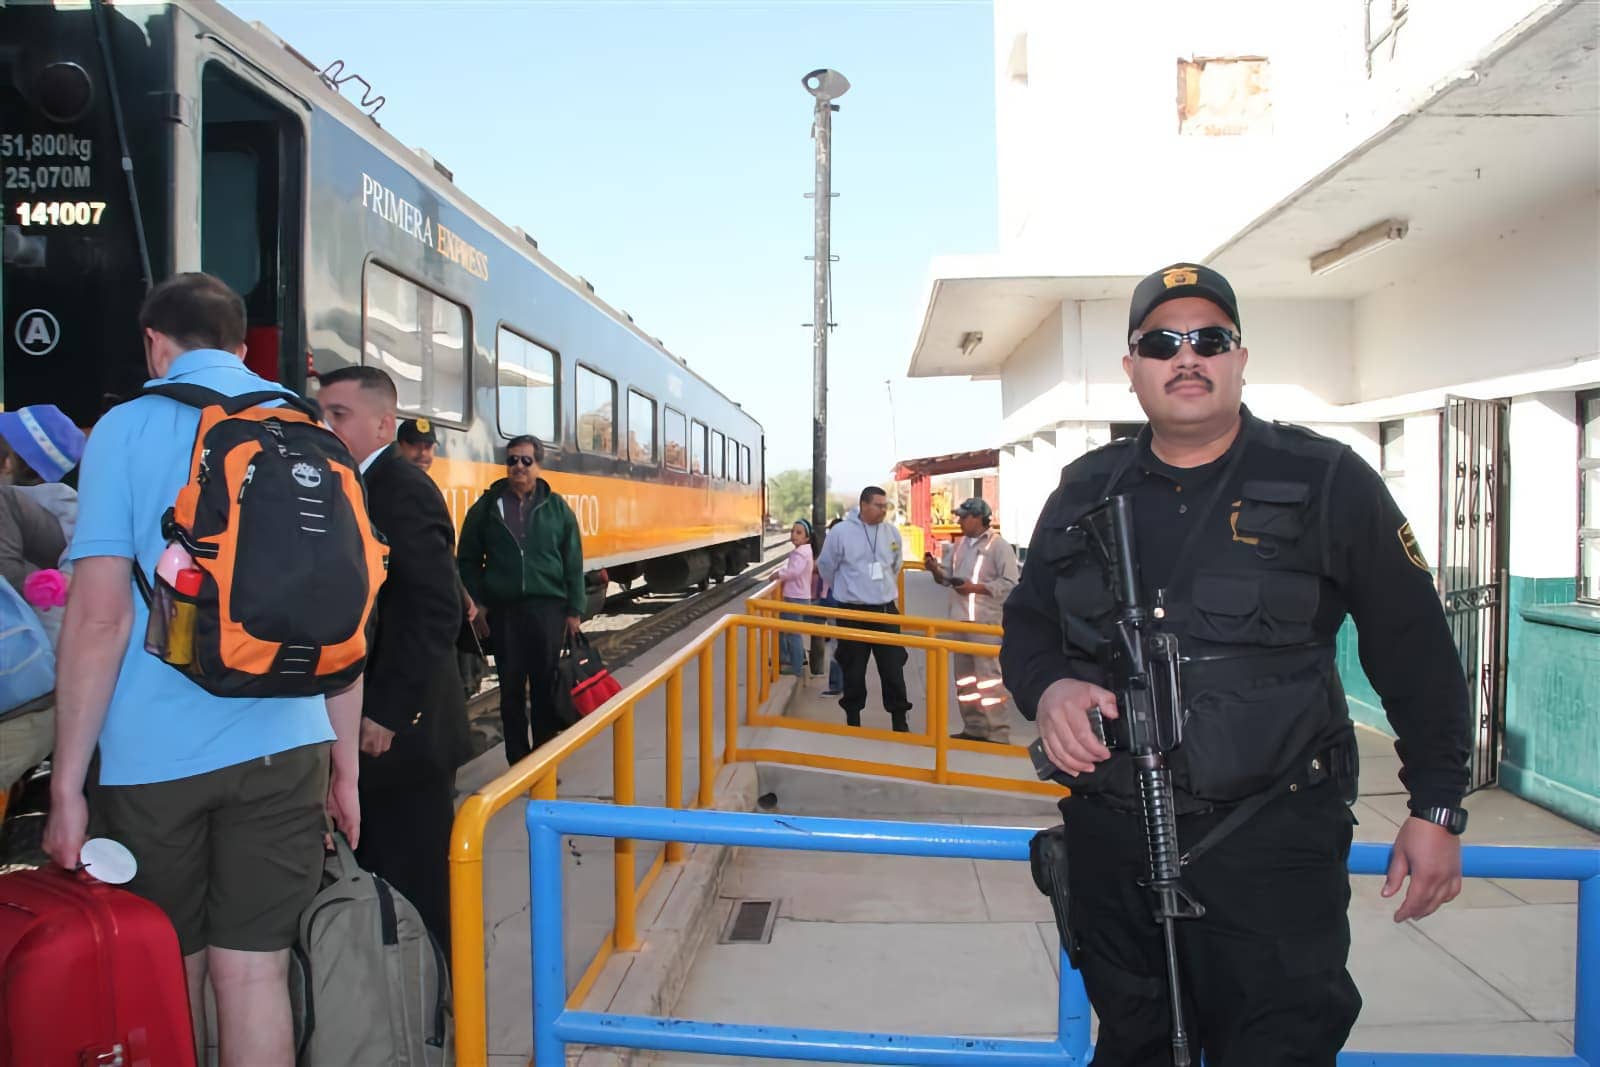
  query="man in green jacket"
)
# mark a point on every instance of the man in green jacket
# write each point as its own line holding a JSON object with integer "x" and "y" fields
{"x": 521, "y": 558}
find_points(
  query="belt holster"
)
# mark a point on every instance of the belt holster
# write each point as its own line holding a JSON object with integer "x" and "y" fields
{"x": 1047, "y": 859}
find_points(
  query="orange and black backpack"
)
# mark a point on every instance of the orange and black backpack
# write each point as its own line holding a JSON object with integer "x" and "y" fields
{"x": 275, "y": 517}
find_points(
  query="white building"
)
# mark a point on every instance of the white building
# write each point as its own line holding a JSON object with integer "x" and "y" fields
{"x": 1404, "y": 196}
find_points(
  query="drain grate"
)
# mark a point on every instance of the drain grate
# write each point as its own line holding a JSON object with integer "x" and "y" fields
{"x": 750, "y": 923}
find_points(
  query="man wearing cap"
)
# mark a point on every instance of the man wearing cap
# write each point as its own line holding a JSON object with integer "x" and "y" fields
{"x": 980, "y": 568}
{"x": 415, "y": 440}
{"x": 1254, "y": 540}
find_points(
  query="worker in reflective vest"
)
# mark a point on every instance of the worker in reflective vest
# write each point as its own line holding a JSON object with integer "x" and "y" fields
{"x": 980, "y": 568}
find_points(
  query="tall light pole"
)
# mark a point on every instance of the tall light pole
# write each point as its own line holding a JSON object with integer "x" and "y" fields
{"x": 826, "y": 86}
{"x": 894, "y": 443}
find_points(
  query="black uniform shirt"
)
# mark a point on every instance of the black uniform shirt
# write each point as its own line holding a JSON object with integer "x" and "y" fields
{"x": 1405, "y": 644}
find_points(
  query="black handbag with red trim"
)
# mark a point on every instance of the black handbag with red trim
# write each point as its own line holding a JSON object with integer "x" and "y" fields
{"x": 582, "y": 681}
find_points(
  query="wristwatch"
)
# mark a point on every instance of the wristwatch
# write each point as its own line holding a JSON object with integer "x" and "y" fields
{"x": 1452, "y": 819}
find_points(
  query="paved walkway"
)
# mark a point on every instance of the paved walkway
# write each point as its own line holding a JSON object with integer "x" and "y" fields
{"x": 940, "y": 946}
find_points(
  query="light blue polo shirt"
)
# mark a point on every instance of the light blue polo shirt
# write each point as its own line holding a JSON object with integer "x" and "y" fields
{"x": 160, "y": 725}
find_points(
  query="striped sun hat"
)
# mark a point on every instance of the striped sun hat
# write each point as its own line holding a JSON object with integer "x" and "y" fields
{"x": 45, "y": 438}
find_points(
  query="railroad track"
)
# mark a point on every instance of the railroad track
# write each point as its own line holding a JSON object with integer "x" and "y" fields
{"x": 621, "y": 646}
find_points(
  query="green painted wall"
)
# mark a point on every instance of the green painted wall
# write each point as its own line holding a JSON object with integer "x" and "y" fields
{"x": 1552, "y": 745}
{"x": 1551, "y": 754}
{"x": 1365, "y": 707}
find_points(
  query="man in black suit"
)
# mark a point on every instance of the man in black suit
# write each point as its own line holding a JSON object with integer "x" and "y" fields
{"x": 413, "y": 718}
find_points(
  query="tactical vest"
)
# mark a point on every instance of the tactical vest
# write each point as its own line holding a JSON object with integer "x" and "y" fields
{"x": 1253, "y": 602}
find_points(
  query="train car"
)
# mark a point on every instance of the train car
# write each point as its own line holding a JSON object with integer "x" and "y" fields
{"x": 137, "y": 140}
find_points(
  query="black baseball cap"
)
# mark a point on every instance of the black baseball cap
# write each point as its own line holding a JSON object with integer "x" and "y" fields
{"x": 1180, "y": 280}
{"x": 416, "y": 432}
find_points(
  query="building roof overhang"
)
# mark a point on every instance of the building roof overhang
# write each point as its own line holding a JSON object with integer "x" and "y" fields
{"x": 1516, "y": 129}
{"x": 951, "y": 463}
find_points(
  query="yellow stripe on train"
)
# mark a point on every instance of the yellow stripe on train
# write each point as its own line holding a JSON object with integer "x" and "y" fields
{"x": 621, "y": 520}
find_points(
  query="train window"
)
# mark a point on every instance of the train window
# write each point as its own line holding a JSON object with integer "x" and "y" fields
{"x": 733, "y": 460}
{"x": 641, "y": 428}
{"x": 697, "y": 448}
{"x": 744, "y": 464}
{"x": 597, "y": 405}
{"x": 717, "y": 454}
{"x": 420, "y": 339}
{"x": 526, "y": 387}
{"x": 677, "y": 435}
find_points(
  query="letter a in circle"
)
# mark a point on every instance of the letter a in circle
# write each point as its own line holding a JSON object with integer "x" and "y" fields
{"x": 37, "y": 332}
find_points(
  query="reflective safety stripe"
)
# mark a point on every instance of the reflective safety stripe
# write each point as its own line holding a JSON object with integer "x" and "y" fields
{"x": 967, "y": 698}
{"x": 988, "y": 683}
{"x": 989, "y": 702}
{"x": 968, "y": 680}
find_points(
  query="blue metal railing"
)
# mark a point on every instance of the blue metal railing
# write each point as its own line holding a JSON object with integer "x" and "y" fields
{"x": 555, "y": 1025}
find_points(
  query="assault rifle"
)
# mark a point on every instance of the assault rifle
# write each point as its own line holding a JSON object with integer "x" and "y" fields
{"x": 1142, "y": 668}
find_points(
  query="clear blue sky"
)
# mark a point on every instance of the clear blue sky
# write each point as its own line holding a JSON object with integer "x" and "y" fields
{"x": 662, "y": 150}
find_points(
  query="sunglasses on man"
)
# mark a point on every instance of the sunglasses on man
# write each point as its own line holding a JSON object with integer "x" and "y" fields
{"x": 526, "y": 461}
{"x": 1164, "y": 344}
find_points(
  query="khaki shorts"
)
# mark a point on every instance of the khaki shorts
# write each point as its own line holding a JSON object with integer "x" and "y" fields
{"x": 25, "y": 741}
{"x": 232, "y": 856}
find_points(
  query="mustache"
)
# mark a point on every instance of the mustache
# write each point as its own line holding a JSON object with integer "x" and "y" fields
{"x": 1190, "y": 376}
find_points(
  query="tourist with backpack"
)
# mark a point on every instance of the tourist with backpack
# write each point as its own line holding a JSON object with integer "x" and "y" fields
{"x": 227, "y": 733}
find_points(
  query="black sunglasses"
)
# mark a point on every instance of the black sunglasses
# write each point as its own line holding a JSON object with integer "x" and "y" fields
{"x": 526, "y": 461}
{"x": 1164, "y": 344}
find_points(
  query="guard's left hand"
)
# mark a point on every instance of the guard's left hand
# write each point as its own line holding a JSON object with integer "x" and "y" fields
{"x": 1431, "y": 856}
{"x": 972, "y": 589}
{"x": 573, "y": 625}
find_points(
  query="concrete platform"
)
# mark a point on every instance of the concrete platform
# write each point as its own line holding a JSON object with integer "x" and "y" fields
{"x": 949, "y": 946}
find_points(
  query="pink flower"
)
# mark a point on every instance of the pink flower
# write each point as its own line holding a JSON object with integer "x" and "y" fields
{"x": 45, "y": 589}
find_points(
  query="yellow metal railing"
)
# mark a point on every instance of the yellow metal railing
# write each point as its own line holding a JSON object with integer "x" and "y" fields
{"x": 535, "y": 776}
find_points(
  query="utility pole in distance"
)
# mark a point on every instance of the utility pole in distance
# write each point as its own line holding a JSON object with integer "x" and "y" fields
{"x": 826, "y": 86}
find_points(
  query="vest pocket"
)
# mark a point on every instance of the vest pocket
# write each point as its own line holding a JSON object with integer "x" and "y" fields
{"x": 1237, "y": 742}
{"x": 1081, "y": 590}
{"x": 1270, "y": 608}
{"x": 1276, "y": 510}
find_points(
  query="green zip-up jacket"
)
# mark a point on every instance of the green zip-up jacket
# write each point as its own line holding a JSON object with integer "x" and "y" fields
{"x": 497, "y": 571}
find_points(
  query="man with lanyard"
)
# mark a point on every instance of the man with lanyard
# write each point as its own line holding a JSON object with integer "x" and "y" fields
{"x": 1254, "y": 541}
{"x": 981, "y": 569}
{"x": 861, "y": 561}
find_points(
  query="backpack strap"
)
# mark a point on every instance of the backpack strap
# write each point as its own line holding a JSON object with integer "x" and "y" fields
{"x": 198, "y": 396}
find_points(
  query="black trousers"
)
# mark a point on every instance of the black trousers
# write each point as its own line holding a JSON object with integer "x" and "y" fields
{"x": 1264, "y": 977}
{"x": 527, "y": 638}
{"x": 852, "y": 659}
{"x": 405, "y": 839}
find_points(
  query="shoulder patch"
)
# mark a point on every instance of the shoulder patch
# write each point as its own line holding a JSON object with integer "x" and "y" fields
{"x": 1413, "y": 551}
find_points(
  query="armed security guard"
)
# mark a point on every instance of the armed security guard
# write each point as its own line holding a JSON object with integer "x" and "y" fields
{"x": 1253, "y": 540}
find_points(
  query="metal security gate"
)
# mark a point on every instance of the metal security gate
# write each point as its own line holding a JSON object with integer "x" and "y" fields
{"x": 1472, "y": 570}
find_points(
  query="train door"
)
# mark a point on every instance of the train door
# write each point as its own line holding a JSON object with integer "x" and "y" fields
{"x": 251, "y": 203}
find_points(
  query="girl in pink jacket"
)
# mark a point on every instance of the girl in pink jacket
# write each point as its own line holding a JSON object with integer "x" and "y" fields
{"x": 795, "y": 578}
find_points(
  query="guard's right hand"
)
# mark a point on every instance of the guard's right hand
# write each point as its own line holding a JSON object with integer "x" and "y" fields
{"x": 1064, "y": 727}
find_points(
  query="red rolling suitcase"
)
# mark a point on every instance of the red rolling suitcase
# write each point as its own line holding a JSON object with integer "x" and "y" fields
{"x": 89, "y": 975}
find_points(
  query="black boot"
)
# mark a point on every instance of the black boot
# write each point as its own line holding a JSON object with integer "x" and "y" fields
{"x": 898, "y": 719}
{"x": 852, "y": 718}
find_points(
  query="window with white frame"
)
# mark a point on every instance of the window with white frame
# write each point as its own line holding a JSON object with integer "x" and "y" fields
{"x": 1589, "y": 497}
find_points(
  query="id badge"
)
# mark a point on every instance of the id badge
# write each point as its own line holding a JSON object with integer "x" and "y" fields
{"x": 877, "y": 570}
